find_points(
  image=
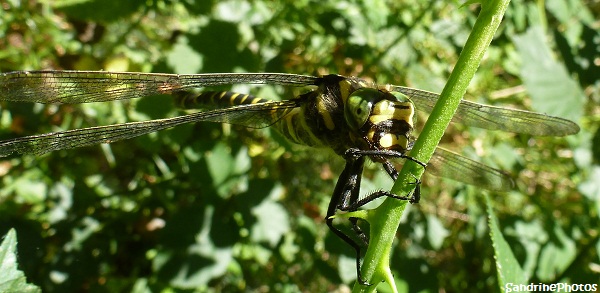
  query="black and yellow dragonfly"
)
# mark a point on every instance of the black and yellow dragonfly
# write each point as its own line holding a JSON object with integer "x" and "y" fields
{"x": 355, "y": 118}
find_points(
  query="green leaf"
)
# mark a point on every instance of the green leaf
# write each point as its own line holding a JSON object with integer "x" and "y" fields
{"x": 347, "y": 268}
{"x": 11, "y": 279}
{"x": 225, "y": 169}
{"x": 289, "y": 248}
{"x": 436, "y": 233}
{"x": 556, "y": 255}
{"x": 508, "y": 268}
{"x": 532, "y": 236}
{"x": 104, "y": 10}
{"x": 29, "y": 187}
{"x": 183, "y": 58}
{"x": 192, "y": 261}
{"x": 590, "y": 188}
{"x": 548, "y": 82}
{"x": 273, "y": 220}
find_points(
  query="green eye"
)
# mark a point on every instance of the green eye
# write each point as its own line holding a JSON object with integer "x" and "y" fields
{"x": 358, "y": 107}
{"x": 400, "y": 97}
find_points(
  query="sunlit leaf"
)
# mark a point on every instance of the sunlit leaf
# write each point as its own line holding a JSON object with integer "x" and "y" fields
{"x": 12, "y": 280}
{"x": 556, "y": 255}
{"x": 436, "y": 232}
{"x": 507, "y": 266}
{"x": 556, "y": 93}
{"x": 272, "y": 221}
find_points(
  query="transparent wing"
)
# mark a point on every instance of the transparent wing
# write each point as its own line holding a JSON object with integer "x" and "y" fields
{"x": 445, "y": 163}
{"x": 100, "y": 86}
{"x": 253, "y": 115}
{"x": 494, "y": 118}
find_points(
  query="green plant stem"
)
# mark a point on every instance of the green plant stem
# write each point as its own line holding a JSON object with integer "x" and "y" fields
{"x": 385, "y": 219}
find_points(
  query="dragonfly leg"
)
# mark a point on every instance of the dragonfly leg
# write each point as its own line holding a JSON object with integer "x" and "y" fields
{"x": 346, "y": 191}
{"x": 416, "y": 195}
{"x": 391, "y": 170}
{"x": 413, "y": 197}
{"x": 355, "y": 153}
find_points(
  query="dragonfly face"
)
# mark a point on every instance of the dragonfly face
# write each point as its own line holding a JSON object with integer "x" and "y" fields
{"x": 355, "y": 118}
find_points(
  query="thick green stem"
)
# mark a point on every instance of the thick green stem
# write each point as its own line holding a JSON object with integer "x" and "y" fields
{"x": 385, "y": 219}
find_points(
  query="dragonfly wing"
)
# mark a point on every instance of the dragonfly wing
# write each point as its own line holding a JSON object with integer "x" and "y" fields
{"x": 101, "y": 86}
{"x": 494, "y": 118}
{"x": 254, "y": 115}
{"x": 251, "y": 115}
{"x": 445, "y": 163}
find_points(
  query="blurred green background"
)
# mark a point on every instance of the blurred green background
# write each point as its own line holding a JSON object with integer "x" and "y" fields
{"x": 211, "y": 207}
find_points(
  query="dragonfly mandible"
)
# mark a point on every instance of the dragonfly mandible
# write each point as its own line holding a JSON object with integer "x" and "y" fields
{"x": 355, "y": 118}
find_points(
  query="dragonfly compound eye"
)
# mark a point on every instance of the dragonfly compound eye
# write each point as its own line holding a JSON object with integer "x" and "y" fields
{"x": 359, "y": 105}
{"x": 400, "y": 97}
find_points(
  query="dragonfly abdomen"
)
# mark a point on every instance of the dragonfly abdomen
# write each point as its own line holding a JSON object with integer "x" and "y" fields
{"x": 295, "y": 128}
{"x": 190, "y": 100}
{"x": 294, "y": 123}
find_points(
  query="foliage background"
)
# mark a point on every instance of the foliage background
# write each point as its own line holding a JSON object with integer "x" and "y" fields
{"x": 212, "y": 207}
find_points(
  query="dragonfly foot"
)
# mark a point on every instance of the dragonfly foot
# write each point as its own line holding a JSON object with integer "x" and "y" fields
{"x": 416, "y": 194}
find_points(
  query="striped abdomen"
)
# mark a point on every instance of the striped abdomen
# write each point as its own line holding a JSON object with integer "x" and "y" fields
{"x": 285, "y": 116}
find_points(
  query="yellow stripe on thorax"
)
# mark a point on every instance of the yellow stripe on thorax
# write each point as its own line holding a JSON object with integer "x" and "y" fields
{"x": 386, "y": 110}
{"x": 325, "y": 115}
{"x": 345, "y": 88}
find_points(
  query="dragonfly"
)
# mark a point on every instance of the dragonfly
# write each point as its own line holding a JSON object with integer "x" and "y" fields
{"x": 357, "y": 119}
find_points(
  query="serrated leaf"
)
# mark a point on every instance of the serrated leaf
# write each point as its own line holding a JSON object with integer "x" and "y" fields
{"x": 508, "y": 268}
{"x": 11, "y": 279}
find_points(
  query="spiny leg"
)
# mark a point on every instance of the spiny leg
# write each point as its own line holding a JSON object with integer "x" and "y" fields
{"x": 391, "y": 170}
{"x": 357, "y": 153}
{"x": 346, "y": 191}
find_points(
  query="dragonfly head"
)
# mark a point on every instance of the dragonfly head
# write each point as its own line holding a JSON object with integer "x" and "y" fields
{"x": 385, "y": 119}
